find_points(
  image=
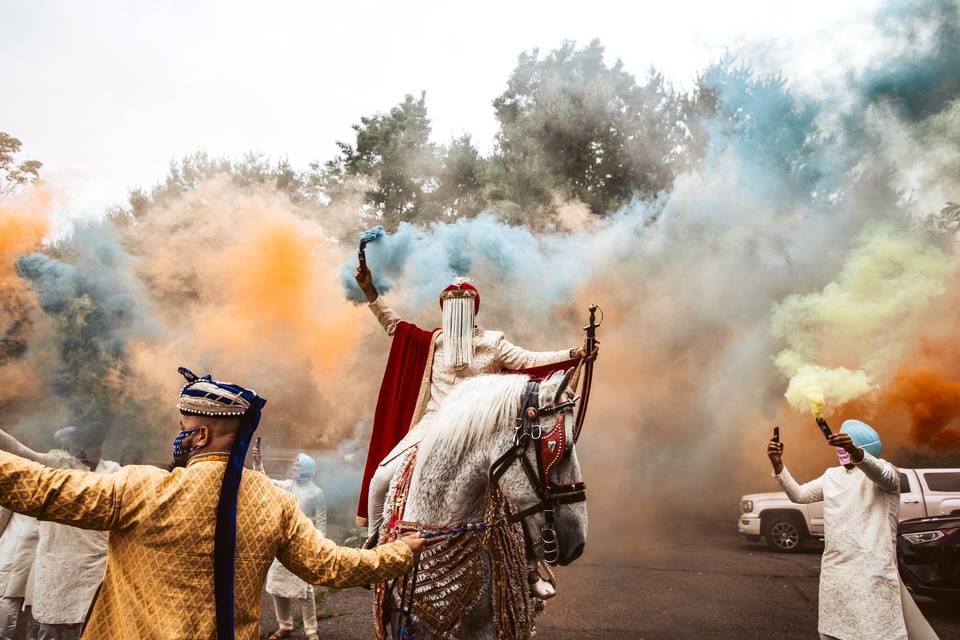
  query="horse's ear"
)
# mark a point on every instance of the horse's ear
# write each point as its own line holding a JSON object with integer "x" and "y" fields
{"x": 563, "y": 385}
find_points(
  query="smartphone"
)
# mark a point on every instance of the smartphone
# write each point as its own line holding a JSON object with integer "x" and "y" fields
{"x": 258, "y": 443}
{"x": 776, "y": 434}
{"x": 824, "y": 427}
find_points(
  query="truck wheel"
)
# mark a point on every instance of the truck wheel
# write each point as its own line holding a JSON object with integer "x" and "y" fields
{"x": 784, "y": 533}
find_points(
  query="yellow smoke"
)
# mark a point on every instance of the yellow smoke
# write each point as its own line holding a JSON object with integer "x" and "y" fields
{"x": 845, "y": 338}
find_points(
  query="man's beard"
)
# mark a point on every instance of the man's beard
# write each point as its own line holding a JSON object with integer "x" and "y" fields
{"x": 458, "y": 318}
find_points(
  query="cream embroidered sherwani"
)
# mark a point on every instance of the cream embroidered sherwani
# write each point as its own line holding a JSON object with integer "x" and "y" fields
{"x": 280, "y": 580}
{"x": 859, "y": 585}
{"x": 492, "y": 353}
{"x": 159, "y": 578}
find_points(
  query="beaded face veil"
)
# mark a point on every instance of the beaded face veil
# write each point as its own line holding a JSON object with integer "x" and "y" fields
{"x": 460, "y": 303}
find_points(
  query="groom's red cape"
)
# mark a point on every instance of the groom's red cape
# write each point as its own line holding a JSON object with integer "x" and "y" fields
{"x": 400, "y": 391}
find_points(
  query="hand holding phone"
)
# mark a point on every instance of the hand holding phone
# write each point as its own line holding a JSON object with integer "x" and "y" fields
{"x": 775, "y": 451}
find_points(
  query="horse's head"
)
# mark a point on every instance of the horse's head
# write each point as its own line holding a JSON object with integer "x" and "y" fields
{"x": 548, "y": 474}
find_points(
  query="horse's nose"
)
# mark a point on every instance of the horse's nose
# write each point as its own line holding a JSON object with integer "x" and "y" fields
{"x": 568, "y": 556}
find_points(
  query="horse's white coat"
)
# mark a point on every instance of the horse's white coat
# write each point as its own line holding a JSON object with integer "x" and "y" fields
{"x": 473, "y": 427}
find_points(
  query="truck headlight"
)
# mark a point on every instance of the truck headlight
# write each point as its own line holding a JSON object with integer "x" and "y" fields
{"x": 746, "y": 506}
{"x": 923, "y": 536}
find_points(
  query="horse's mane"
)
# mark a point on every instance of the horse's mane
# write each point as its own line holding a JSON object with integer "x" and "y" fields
{"x": 474, "y": 413}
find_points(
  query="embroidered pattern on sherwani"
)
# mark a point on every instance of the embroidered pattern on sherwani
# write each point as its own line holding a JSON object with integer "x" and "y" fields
{"x": 158, "y": 583}
{"x": 68, "y": 565}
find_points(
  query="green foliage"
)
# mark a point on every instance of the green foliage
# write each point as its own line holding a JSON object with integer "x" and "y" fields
{"x": 189, "y": 172}
{"x": 570, "y": 126}
{"x": 15, "y": 176}
{"x": 414, "y": 179}
{"x": 569, "y": 122}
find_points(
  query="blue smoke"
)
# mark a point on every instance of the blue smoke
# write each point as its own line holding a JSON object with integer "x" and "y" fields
{"x": 97, "y": 306}
{"x": 918, "y": 85}
{"x": 427, "y": 259}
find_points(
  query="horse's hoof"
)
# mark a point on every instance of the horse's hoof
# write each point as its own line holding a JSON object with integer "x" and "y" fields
{"x": 543, "y": 590}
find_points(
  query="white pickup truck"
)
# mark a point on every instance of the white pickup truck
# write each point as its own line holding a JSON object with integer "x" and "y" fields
{"x": 786, "y": 526}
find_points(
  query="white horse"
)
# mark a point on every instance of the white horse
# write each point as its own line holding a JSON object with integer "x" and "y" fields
{"x": 450, "y": 482}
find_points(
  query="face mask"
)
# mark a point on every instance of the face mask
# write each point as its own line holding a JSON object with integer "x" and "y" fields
{"x": 178, "y": 453}
{"x": 844, "y": 456}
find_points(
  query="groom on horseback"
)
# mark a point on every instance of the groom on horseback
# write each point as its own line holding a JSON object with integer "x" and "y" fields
{"x": 423, "y": 367}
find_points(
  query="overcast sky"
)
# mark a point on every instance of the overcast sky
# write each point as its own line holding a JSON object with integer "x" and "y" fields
{"x": 106, "y": 93}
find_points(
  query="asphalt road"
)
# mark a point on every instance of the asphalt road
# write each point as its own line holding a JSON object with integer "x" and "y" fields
{"x": 692, "y": 581}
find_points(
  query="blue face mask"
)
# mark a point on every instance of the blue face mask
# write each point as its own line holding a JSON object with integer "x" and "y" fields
{"x": 178, "y": 453}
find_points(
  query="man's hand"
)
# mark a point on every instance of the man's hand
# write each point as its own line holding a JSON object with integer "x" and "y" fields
{"x": 257, "y": 459}
{"x": 365, "y": 281}
{"x": 415, "y": 542}
{"x": 843, "y": 441}
{"x": 775, "y": 453}
{"x": 582, "y": 351}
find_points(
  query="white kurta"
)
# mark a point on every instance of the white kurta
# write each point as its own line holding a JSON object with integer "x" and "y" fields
{"x": 69, "y": 562}
{"x": 18, "y": 546}
{"x": 280, "y": 581}
{"x": 859, "y": 584}
{"x": 492, "y": 353}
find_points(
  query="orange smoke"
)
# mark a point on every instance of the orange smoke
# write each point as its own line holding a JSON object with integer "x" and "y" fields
{"x": 931, "y": 397}
{"x": 279, "y": 285}
{"x": 24, "y": 222}
{"x": 245, "y": 287}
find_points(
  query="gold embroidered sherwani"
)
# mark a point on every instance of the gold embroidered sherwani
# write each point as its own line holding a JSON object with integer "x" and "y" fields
{"x": 159, "y": 576}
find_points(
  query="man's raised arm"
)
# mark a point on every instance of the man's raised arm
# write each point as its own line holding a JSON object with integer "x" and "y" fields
{"x": 318, "y": 560}
{"x": 78, "y": 498}
{"x": 11, "y": 445}
{"x": 384, "y": 314}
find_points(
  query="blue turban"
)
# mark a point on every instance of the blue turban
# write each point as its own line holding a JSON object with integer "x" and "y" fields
{"x": 208, "y": 397}
{"x": 863, "y": 435}
{"x": 308, "y": 466}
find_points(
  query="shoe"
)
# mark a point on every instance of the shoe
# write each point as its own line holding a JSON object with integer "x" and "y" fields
{"x": 542, "y": 589}
{"x": 280, "y": 634}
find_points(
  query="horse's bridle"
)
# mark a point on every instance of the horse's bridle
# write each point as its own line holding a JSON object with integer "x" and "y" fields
{"x": 550, "y": 447}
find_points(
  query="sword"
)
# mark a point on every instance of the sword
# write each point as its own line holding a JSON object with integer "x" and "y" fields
{"x": 591, "y": 330}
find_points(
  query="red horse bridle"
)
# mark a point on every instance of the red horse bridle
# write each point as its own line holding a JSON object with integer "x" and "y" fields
{"x": 550, "y": 447}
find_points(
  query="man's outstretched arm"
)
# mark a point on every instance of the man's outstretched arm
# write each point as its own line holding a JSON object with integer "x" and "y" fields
{"x": 12, "y": 445}
{"x": 513, "y": 357}
{"x": 800, "y": 493}
{"x": 77, "y": 498}
{"x": 319, "y": 560}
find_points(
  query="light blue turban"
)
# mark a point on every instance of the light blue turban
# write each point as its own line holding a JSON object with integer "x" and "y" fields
{"x": 65, "y": 436}
{"x": 308, "y": 466}
{"x": 863, "y": 435}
